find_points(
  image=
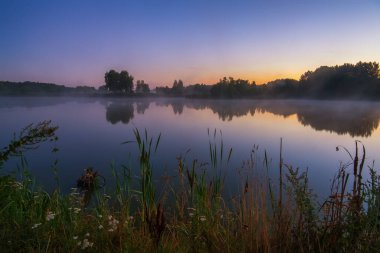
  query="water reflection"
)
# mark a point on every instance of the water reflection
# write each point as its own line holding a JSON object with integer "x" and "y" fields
{"x": 142, "y": 106}
{"x": 358, "y": 119}
{"x": 119, "y": 112}
{"x": 176, "y": 104}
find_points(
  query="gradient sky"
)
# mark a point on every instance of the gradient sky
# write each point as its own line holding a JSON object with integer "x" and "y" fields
{"x": 198, "y": 41}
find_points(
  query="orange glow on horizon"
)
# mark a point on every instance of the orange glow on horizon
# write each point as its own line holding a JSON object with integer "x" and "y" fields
{"x": 258, "y": 79}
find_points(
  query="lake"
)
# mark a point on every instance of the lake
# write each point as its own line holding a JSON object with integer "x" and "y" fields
{"x": 91, "y": 131}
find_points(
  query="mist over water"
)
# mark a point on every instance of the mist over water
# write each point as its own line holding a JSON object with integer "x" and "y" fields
{"x": 91, "y": 132}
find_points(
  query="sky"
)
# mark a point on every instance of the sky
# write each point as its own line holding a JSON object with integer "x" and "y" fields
{"x": 199, "y": 41}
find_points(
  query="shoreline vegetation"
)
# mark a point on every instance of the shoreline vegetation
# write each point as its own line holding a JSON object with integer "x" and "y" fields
{"x": 191, "y": 214}
{"x": 347, "y": 81}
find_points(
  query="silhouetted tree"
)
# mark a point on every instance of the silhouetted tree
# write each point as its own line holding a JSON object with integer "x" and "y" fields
{"x": 282, "y": 88}
{"x": 231, "y": 88}
{"x": 35, "y": 89}
{"x": 112, "y": 80}
{"x": 119, "y": 82}
{"x": 142, "y": 87}
{"x": 177, "y": 88}
{"x": 197, "y": 90}
{"x": 163, "y": 90}
{"x": 126, "y": 82}
{"x": 345, "y": 81}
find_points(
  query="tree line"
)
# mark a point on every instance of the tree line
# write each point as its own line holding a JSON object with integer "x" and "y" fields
{"x": 360, "y": 80}
{"x": 37, "y": 89}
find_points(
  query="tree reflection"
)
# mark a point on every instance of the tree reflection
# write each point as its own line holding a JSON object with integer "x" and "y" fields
{"x": 358, "y": 119}
{"x": 142, "y": 106}
{"x": 176, "y": 104}
{"x": 177, "y": 107}
{"x": 119, "y": 112}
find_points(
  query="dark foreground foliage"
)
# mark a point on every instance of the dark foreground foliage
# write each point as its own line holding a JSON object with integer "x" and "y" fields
{"x": 192, "y": 215}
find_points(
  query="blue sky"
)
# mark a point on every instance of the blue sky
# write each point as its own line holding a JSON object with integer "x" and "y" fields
{"x": 76, "y": 42}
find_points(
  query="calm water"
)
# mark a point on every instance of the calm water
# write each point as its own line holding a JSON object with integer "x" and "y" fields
{"x": 91, "y": 132}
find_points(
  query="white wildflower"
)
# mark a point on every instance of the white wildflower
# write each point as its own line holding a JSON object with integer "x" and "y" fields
{"x": 50, "y": 216}
{"x": 100, "y": 216}
{"x": 202, "y": 218}
{"x": 36, "y": 225}
{"x": 87, "y": 234}
{"x": 191, "y": 214}
{"x": 75, "y": 237}
{"x": 112, "y": 223}
{"x": 86, "y": 243}
{"x": 100, "y": 227}
{"x": 18, "y": 185}
{"x": 110, "y": 230}
{"x": 76, "y": 210}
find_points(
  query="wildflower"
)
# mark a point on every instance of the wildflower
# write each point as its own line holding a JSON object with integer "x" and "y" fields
{"x": 36, "y": 225}
{"x": 100, "y": 227}
{"x": 110, "y": 230}
{"x": 87, "y": 234}
{"x": 191, "y": 209}
{"x": 18, "y": 185}
{"x": 191, "y": 214}
{"x": 75, "y": 237}
{"x": 100, "y": 216}
{"x": 85, "y": 244}
{"x": 76, "y": 210}
{"x": 112, "y": 223}
{"x": 50, "y": 216}
{"x": 202, "y": 218}
{"x": 128, "y": 220}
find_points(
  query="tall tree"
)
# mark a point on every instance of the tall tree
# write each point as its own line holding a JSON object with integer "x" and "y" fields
{"x": 177, "y": 88}
{"x": 142, "y": 87}
{"x": 112, "y": 80}
{"x": 126, "y": 82}
{"x": 119, "y": 82}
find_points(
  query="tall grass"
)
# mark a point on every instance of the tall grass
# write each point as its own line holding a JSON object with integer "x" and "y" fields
{"x": 194, "y": 214}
